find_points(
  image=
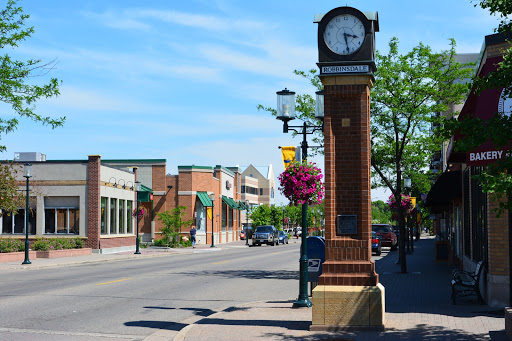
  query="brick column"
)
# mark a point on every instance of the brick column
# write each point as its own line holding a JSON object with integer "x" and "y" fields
{"x": 349, "y": 293}
{"x": 93, "y": 202}
{"x": 348, "y": 180}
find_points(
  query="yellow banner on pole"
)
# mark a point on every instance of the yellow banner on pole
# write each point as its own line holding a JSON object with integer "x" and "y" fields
{"x": 288, "y": 156}
{"x": 413, "y": 202}
{"x": 209, "y": 212}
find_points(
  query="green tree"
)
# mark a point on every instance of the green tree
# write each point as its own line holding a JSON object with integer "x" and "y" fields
{"x": 11, "y": 198}
{"x": 173, "y": 222}
{"x": 260, "y": 215}
{"x": 381, "y": 213}
{"x": 14, "y": 74}
{"x": 276, "y": 217}
{"x": 294, "y": 214}
{"x": 409, "y": 89}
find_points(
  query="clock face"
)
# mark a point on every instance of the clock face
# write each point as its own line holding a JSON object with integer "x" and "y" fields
{"x": 504, "y": 105}
{"x": 344, "y": 34}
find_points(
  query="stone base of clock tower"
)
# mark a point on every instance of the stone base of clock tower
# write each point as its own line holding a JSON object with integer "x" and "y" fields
{"x": 349, "y": 294}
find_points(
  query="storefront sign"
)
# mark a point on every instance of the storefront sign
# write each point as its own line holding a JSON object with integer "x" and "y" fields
{"x": 345, "y": 69}
{"x": 482, "y": 158}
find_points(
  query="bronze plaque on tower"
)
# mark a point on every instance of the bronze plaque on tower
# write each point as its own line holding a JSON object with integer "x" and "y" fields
{"x": 346, "y": 224}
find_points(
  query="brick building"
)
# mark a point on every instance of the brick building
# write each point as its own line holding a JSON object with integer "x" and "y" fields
{"x": 76, "y": 198}
{"x": 464, "y": 214}
{"x": 94, "y": 199}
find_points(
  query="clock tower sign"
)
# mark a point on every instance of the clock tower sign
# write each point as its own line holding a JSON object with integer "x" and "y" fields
{"x": 349, "y": 293}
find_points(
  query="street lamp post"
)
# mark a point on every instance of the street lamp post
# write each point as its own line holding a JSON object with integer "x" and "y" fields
{"x": 247, "y": 223}
{"x": 212, "y": 197}
{"x": 137, "y": 189}
{"x": 28, "y": 175}
{"x": 286, "y": 113}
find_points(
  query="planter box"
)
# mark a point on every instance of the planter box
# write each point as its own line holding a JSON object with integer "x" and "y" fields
{"x": 16, "y": 256}
{"x": 64, "y": 253}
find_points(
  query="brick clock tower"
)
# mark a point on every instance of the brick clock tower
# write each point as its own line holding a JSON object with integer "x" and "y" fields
{"x": 349, "y": 293}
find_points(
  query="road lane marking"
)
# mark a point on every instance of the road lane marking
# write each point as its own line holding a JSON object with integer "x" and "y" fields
{"x": 119, "y": 280}
{"x": 276, "y": 253}
{"x": 221, "y": 262}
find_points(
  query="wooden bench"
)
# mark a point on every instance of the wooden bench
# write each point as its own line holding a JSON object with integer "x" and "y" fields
{"x": 467, "y": 283}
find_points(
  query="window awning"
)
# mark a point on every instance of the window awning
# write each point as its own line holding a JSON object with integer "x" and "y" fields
{"x": 230, "y": 202}
{"x": 205, "y": 199}
{"x": 144, "y": 194}
{"x": 242, "y": 205}
{"x": 447, "y": 188}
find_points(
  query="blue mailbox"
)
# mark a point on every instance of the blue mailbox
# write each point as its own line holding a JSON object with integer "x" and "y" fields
{"x": 316, "y": 256}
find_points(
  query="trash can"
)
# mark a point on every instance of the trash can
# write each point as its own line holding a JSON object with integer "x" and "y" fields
{"x": 316, "y": 256}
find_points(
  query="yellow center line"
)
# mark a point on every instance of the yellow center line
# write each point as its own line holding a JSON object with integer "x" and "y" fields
{"x": 119, "y": 280}
{"x": 221, "y": 262}
{"x": 276, "y": 253}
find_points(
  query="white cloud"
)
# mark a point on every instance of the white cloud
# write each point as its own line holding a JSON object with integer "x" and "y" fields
{"x": 112, "y": 19}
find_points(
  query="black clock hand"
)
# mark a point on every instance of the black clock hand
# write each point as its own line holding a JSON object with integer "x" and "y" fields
{"x": 346, "y": 42}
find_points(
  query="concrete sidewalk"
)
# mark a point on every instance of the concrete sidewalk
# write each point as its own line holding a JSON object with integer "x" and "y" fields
{"x": 418, "y": 307}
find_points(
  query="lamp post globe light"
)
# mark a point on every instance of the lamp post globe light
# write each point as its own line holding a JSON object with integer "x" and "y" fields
{"x": 137, "y": 190}
{"x": 28, "y": 175}
{"x": 286, "y": 113}
{"x": 247, "y": 223}
{"x": 212, "y": 198}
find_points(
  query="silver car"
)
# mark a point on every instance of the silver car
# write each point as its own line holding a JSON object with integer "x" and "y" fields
{"x": 265, "y": 234}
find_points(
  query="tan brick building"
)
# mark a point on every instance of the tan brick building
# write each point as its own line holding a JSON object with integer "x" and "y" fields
{"x": 94, "y": 199}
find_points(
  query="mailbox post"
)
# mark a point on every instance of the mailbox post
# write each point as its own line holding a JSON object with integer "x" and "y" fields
{"x": 316, "y": 256}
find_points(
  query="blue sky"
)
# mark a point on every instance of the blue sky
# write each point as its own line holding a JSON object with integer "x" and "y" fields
{"x": 181, "y": 80}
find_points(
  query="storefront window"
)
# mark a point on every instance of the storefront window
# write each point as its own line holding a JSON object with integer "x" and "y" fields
{"x": 103, "y": 215}
{"x": 7, "y": 223}
{"x": 200, "y": 214}
{"x": 112, "y": 215}
{"x": 15, "y": 223}
{"x": 129, "y": 208}
{"x": 74, "y": 221}
{"x": 122, "y": 216}
{"x": 62, "y": 220}
{"x": 224, "y": 216}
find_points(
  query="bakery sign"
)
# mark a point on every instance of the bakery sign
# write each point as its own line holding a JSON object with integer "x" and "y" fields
{"x": 484, "y": 157}
{"x": 490, "y": 155}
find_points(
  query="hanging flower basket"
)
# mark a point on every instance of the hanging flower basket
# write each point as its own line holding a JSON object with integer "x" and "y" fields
{"x": 301, "y": 183}
{"x": 405, "y": 204}
{"x": 142, "y": 212}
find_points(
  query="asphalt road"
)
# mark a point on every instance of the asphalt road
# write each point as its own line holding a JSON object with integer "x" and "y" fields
{"x": 131, "y": 299}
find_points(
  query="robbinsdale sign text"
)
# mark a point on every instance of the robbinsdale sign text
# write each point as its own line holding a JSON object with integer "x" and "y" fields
{"x": 345, "y": 69}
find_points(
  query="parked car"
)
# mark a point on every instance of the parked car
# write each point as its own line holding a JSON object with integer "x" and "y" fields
{"x": 283, "y": 237}
{"x": 265, "y": 234}
{"x": 376, "y": 244}
{"x": 388, "y": 237}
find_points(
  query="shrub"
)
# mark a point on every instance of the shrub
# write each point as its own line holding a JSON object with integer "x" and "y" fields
{"x": 11, "y": 245}
{"x": 160, "y": 242}
{"x": 46, "y": 244}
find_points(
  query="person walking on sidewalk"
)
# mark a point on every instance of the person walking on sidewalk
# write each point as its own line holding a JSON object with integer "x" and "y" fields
{"x": 193, "y": 236}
